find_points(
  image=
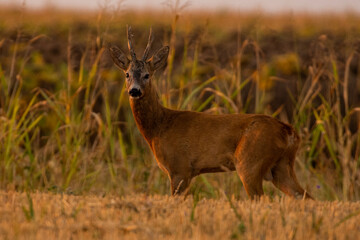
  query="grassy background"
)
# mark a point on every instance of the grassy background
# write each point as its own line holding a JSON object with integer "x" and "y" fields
{"x": 66, "y": 125}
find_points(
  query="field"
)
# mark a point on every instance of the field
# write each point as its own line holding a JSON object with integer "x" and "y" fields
{"x": 57, "y": 216}
{"x": 73, "y": 162}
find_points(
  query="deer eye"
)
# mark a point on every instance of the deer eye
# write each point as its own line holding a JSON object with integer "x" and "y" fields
{"x": 127, "y": 75}
{"x": 147, "y": 76}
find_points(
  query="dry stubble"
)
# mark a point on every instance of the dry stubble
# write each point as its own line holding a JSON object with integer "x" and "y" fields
{"x": 60, "y": 216}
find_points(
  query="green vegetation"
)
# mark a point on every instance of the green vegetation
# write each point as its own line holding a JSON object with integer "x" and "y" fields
{"x": 66, "y": 125}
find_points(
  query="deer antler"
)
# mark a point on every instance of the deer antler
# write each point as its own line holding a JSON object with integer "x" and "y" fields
{"x": 148, "y": 46}
{"x": 130, "y": 43}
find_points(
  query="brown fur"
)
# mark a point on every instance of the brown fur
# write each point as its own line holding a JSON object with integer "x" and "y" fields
{"x": 186, "y": 143}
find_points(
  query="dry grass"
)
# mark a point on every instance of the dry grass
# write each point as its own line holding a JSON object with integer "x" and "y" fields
{"x": 61, "y": 216}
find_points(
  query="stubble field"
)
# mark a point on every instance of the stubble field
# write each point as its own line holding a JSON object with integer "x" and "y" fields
{"x": 140, "y": 216}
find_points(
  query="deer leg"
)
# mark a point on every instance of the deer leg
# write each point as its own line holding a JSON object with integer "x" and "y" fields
{"x": 254, "y": 161}
{"x": 251, "y": 177}
{"x": 253, "y": 186}
{"x": 179, "y": 184}
{"x": 252, "y": 170}
{"x": 285, "y": 179}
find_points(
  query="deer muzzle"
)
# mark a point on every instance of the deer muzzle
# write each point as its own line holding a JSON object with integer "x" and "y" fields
{"x": 135, "y": 92}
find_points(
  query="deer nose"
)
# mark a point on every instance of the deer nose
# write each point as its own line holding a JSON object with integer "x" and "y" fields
{"x": 135, "y": 92}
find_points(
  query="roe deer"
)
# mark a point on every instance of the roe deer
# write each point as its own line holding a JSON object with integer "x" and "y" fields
{"x": 186, "y": 143}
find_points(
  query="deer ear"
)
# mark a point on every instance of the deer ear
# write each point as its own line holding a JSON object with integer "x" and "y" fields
{"x": 119, "y": 57}
{"x": 159, "y": 59}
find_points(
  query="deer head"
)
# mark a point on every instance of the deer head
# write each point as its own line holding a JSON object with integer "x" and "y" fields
{"x": 138, "y": 72}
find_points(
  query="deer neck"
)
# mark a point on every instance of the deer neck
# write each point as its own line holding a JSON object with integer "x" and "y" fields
{"x": 148, "y": 114}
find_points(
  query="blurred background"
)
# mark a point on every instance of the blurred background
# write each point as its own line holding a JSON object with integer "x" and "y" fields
{"x": 65, "y": 120}
{"x": 274, "y": 6}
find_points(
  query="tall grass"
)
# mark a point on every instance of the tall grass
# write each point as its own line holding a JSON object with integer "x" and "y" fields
{"x": 78, "y": 135}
